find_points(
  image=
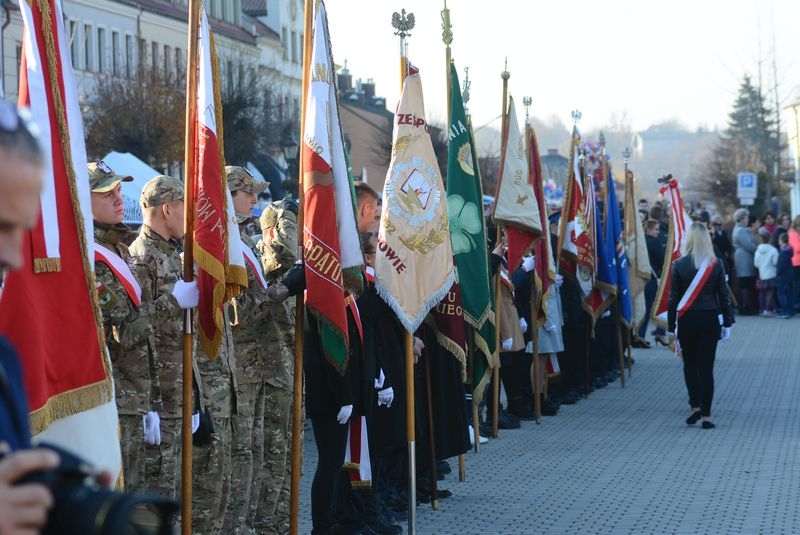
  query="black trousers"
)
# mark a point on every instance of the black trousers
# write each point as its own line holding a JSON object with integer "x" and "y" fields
{"x": 331, "y": 439}
{"x": 698, "y": 334}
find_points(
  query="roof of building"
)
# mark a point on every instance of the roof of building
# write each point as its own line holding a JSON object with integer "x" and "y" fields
{"x": 255, "y": 8}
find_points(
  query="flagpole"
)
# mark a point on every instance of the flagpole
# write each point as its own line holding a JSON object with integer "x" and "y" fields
{"x": 495, "y": 407}
{"x": 297, "y": 392}
{"x": 432, "y": 441}
{"x": 590, "y": 323}
{"x": 447, "y": 38}
{"x": 188, "y": 265}
{"x": 629, "y": 197}
{"x": 617, "y": 304}
{"x": 403, "y": 24}
{"x": 535, "y": 295}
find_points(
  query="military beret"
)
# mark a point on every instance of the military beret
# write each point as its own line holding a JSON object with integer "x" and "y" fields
{"x": 240, "y": 178}
{"x": 161, "y": 190}
{"x": 102, "y": 178}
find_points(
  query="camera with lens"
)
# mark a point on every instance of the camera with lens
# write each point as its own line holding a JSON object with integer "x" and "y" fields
{"x": 83, "y": 507}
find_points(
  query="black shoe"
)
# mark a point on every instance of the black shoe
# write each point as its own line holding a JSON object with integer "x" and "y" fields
{"x": 707, "y": 425}
{"x": 443, "y": 467}
{"x": 394, "y": 516}
{"x": 693, "y": 418}
{"x": 520, "y": 410}
{"x": 662, "y": 340}
{"x": 379, "y": 526}
{"x": 549, "y": 409}
{"x": 640, "y": 343}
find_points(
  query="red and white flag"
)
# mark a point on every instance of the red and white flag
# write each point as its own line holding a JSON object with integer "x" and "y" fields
{"x": 49, "y": 308}
{"x": 678, "y": 223}
{"x": 218, "y": 252}
{"x": 516, "y": 207}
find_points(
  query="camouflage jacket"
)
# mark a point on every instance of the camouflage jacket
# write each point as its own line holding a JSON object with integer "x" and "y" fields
{"x": 128, "y": 330}
{"x": 220, "y": 377}
{"x": 278, "y": 245}
{"x": 259, "y": 328}
{"x": 158, "y": 262}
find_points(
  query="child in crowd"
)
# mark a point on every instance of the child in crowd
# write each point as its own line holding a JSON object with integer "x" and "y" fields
{"x": 766, "y": 261}
{"x": 784, "y": 276}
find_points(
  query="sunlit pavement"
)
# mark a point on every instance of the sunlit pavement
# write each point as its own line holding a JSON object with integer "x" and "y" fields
{"x": 624, "y": 461}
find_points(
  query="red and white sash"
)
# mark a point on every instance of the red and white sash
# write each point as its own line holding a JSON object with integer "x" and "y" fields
{"x": 252, "y": 263}
{"x": 121, "y": 270}
{"x": 370, "y": 273}
{"x": 356, "y": 456}
{"x": 350, "y": 302}
{"x": 699, "y": 280}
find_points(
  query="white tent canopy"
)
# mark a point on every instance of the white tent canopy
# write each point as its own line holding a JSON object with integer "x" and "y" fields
{"x": 125, "y": 163}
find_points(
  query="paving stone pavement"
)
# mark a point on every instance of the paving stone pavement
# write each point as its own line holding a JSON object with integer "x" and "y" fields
{"x": 624, "y": 461}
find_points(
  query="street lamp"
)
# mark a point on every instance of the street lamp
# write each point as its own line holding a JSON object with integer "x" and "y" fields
{"x": 289, "y": 147}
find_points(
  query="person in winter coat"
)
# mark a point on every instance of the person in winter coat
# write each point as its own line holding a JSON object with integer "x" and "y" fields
{"x": 745, "y": 246}
{"x": 785, "y": 276}
{"x": 766, "y": 261}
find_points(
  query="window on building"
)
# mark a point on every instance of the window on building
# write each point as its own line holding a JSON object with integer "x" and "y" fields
{"x": 294, "y": 46}
{"x": 142, "y": 53}
{"x": 178, "y": 65}
{"x": 167, "y": 59}
{"x": 88, "y": 49}
{"x": 155, "y": 55}
{"x": 285, "y": 43}
{"x": 19, "y": 60}
{"x": 115, "y": 53}
{"x": 101, "y": 50}
{"x": 129, "y": 59}
{"x": 74, "y": 44}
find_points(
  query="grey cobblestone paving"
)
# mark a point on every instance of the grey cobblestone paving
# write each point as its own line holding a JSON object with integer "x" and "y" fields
{"x": 623, "y": 461}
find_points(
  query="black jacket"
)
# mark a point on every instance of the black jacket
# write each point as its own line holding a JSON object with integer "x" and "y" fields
{"x": 713, "y": 296}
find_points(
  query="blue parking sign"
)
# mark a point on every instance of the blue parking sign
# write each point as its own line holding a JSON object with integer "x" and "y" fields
{"x": 746, "y": 185}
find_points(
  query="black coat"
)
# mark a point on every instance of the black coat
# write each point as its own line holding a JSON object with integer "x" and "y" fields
{"x": 713, "y": 296}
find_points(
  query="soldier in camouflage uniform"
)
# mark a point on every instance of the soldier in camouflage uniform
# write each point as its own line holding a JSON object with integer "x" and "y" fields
{"x": 126, "y": 322}
{"x": 156, "y": 254}
{"x": 251, "y": 326}
{"x": 269, "y": 504}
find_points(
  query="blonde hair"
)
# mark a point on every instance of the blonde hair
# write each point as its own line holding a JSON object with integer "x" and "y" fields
{"x": 698, "y": 244}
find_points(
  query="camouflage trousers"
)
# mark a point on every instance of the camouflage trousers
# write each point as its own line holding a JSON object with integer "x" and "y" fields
{"x": 243, "y": 436}
{"x": 272, "y": 471}
{"x": 163, "y": 462}
{"x": 131, "y": 441}
{"x": 211, "y": 479}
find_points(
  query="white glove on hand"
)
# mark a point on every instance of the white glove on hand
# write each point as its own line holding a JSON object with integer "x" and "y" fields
{"x": 186, "y": 294}
{"x": 559, "y": 280}
{"x": 195, "y": 422}
{"x": 344, "y": 414}
{"x": 676, "y": 345}
{"x": 152, "y": 428}
{"x": 528, "y": 263}
{"x": 523, "y": 325}
{"x": 379, "y": 381}
{"x": 549, "y": 326}
{"x": 386, "y": 397}
{"x": 726, "y": 333}
{"x": 507, "y": 344}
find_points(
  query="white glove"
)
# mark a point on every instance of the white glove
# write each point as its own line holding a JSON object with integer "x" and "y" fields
{"x": 523, "y": 325}
{"x": 344, "y": 414}
{"x": 726, "y": 333}
{"x": 152, "y": 428}
{"x": 386, "y": 397}
{"x": 549, "y": 326}
{"x": 559, "y": 280}
{"x": 195, "y": 422}
{"x": 186, "y": 294}
{"x": 676, "y": 345}
{"x": 379, "y": 381}
{"x": 507, "y": 344}
{"x": 528, "y": 263}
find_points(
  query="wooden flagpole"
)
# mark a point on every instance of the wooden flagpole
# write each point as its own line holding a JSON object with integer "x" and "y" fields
{"x": 626, "y": 154}
{"x": 188, "y": 264}
{"x": 403, "y": 24}
{"x": 447, "y": 38}
{"x": 297, "y": 392}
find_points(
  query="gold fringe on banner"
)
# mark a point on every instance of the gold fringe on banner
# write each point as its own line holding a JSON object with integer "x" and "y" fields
{"x": 46, "y": 265}
{"x": 69, "y": 403}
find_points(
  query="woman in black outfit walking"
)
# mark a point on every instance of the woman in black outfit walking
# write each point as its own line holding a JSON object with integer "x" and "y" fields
{"x": 698, "y": 297}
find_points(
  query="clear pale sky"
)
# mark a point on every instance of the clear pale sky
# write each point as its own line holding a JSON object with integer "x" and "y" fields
{"x": 645, "y": 61}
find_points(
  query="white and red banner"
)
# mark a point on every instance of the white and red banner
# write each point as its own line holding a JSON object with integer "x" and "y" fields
{"x": 49, "y": 308}
{"x": 221, "y": 272}
{"x": 678, "y": 223}
{"x": 331, "y": 247}
{"x": 516, "y": 207}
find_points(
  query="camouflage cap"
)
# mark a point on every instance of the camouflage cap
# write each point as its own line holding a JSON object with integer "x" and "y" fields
{"x": 161, "y": 190}
{"x": 240, "y": 178}
{"x": 102, "y": 178}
